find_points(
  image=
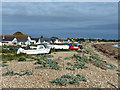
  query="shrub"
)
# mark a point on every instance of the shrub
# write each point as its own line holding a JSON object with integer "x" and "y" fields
{"x": 2, "y": 65}
{"x": 69, "y": 64}
{"x": 11, "y": 72}
{"x": 47, "y": 63}
{"x": 50, "y": 56}
{"x": 72, "y": 69}
{"x": 67, "y": 58}
{"x": 22, "y": 59}
{"x": 68, "y": 79}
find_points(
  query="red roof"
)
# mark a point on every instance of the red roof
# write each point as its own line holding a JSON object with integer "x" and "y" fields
{"x": 16, "y": 36}
{"x": 60, "y": 40}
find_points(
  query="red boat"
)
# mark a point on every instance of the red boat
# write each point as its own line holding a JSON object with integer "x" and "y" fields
{"x": 74, "y": 47}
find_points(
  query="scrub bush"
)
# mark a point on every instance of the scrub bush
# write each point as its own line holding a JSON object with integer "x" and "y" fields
{"x": 68, "y": 79}
{"x": 22, "y": 59}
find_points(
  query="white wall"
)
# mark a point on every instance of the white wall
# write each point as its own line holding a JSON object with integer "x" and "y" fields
{"x": 0, "y": 43}
{"x": 14, "y": 41}
{"x": 38, "y": 42}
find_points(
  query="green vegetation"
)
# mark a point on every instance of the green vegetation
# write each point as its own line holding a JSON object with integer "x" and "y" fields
{"x": 22, "y": 59}
{"x": 9, "y": 51}
{"x": 112, "y": 85}
{"x": 50, "y": 56}
{"x": 68, "y": 79}
{"x": 118, "y": 70}
{"x": 3, "y": 65}
{"x": 10, "y": 72}
{"x": 72, "y": 69}
{"x": 67, "y": 58}
{"x": 60, "y": 50}
{"x": 69, "y": 64}
{"x": 10, "y": 57}
{"x": 0, "y": 49}
{"x": 96, "y": 60}
{"x": 47, "y": 63}
{"x": 41, "y": 36}
{"x": 54, "y": 37}
{"x": 79, "y": 62}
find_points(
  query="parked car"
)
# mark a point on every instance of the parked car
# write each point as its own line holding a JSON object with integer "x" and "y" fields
{"x": 40, "y": 49}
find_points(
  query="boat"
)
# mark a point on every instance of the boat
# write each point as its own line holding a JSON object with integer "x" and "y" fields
{"x": 40, "y": 49}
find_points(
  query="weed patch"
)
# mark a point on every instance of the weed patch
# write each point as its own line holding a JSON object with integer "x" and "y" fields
{"x": 68, "y": 79}
{"x": 11, "y": 72}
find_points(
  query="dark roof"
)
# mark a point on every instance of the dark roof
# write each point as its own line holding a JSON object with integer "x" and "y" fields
{"x": 65, "y": 40}
{"x": 45, "y": 39}
{"x": 36, "y": 39}
{"x": 8, "y": 39}
{"x": 22, "y": 40}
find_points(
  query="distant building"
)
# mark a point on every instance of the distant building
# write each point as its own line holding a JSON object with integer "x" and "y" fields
{"x": 19, "y": 38}
{"x": 42, "y": 40}
{"x": 61, "y": 41}
{"x": 8, "y": 40}
{"x": 15, "y": 40}
{"x": 35, "y": 41}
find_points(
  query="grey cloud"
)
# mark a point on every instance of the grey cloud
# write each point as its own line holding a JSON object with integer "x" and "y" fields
{"x": 59, "y": 16}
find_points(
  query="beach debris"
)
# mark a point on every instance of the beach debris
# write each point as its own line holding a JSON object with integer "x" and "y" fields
{"x": 68, "y": 79}
{"x": 116, "y": 86}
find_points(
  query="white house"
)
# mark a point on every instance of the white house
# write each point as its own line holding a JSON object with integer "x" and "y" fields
{"x": 16, "y": 40}
{"x": 35, "y": 41}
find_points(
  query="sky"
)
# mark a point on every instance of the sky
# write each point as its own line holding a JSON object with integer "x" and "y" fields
{"x": 61, "y": 19}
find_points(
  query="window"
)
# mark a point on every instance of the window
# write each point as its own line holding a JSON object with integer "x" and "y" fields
{"x": 41, "y": 47}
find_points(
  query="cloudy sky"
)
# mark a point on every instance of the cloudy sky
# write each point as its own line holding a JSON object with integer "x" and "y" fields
{"x": 61, "y": 19}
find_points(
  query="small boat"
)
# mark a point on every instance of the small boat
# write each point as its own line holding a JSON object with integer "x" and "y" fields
{"x": 40, "y": 49}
